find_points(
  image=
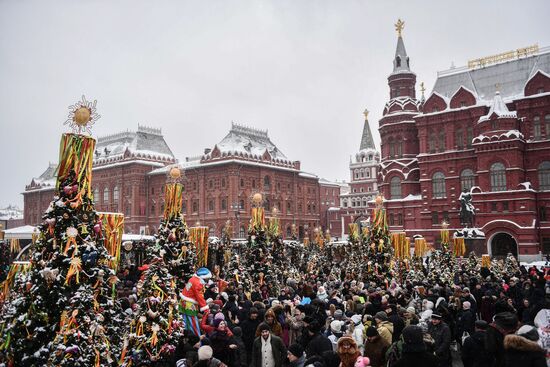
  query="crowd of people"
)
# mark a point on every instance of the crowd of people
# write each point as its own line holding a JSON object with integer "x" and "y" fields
{"x": 322, "y": 321}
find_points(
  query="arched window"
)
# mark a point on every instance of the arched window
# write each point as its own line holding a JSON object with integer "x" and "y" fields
{"x": 438, "y": 185}
{"x": 395, "y": 188}
{"x": 356, "y": 174}
{"x": 498, "y": 177}
{"x": 288, "y": 207}
{"x": 367, "y": 173}
{"x": 398, "y": 61}
{"x": 442, "y": 141}
{"x": 370, "y": 156}
{"x": 96, "y": 194}
{"x": 115, "y": 194}
{"x": 267, "y": 183}
{"x": 106, "y": 195}
{"x": 242, "y": 232}
{"x": 211, "y": 205}
{"x": 459, "y": 139}
{"x": 467, "y": 179}
{"x": 242, "y": 182}
{"x": 536, "y": 128}
{"x": 547, "y": 125}
{"x": 288, "y": 232}
{"x": 544, "y": 175}
{"x": 224, "y": 204}
{"x": 223, "y": 182}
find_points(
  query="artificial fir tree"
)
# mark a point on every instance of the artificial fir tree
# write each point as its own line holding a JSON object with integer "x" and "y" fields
{"x": 157, "y": 326}
{"x": 62, "y": 312}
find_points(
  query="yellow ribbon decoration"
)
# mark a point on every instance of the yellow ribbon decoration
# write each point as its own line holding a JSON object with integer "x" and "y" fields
{"x": 75, "y": 268}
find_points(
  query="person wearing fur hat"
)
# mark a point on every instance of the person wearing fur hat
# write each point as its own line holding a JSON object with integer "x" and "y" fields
{"x": 504, "y": 323}
{"x": 522, "y": 349}
{"x": 414, "y": 351}
{"x": 441, "y": 333}
{"x": 348, "y": 351}
{"x": 193, "y": 299}
{"x": 473, "y": 351}
{"x": 375, "y": 348}
{"x": 268, "y": 350}
{"x": 384, "y": 327}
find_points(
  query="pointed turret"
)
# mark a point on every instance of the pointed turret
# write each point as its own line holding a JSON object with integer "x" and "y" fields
{"x": 402, "y": 80}
{"x": 366, "y": 140}
{"x": 401, "y": 60}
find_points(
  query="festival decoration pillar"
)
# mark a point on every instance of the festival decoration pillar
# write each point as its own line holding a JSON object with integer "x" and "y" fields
{"x": 401, "y": 245}
{"x": 173, "y": 195}
{"x": 113, "y": 224}
{"x": 485, "y": 261}
{"x": 353, "y": 232}
{"x": 444, "y": 235}
{"x": 257, "y": 220}
{"x": 420, "y": 247}
{"x": 273, "y": 227}
{"x": 459, "y": 246}
{"x": 199, "y": 237}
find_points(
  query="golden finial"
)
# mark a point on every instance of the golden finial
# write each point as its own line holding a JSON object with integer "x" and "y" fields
{"x": 497, "y": 88}
{"x": 399, "y": 27}
{"x": 366, "y": 113}
{"x": 422, "y": 89}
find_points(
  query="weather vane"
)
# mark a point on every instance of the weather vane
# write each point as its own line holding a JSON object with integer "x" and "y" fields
{"x": 399, "y": 27}
{"x": 82, "y": 115}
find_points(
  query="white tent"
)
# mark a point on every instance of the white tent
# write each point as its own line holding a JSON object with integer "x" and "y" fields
{"x": 22, "y": 233}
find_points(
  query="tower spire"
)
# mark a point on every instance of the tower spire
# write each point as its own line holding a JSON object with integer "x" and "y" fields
{"x": 366, "y": 140}
{"x": 401, "y": 60}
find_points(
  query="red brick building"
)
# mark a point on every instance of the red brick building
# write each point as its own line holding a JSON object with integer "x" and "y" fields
{"x": 220, "y": 183}
{"x": 130, "y": 170}
{"x": 484, "y": 130}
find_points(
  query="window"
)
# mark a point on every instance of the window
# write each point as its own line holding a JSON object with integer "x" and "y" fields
{"x": 435, "y": 218}
{"x": 462, "y": 104}
{"x": 494, "y": 124}
{"x": 442, "y": 141}
{"x": 505, "y": 206}
{"x": 152, "y": 191}
{"x": 399, "y": 148}
{"x": 399, "y": 219}
{"x": 242, "y": 182}
{"x": 459, "y": 139}
{"x": 435, "y": 109}
{"x": 308, "y": 208}
{"x": 96, "y": 194}
{"x": 184, "y": 207}
{"x": 438, "y": 185}
{"x": 128, "y": 210}
{"x": 300, "y": 208}
{"x": 540, "y": 90}
{"x": 392, "y": 220}
{"x": 153, "y": 209}
{"x": 241, "y": 205}
{"x": 195, "y": 206}
{"x": 467, "y": 179}
{"x": 395, "y": 188}
{"x": 431, "y": 143}
{"x": 446, "y": 217}
{"x": 210, "y": 205}
{"x": 194, "y": 186}
{"x": 544, "y": 175}
{"x": 367, "y": 173}
{"x": 224, "y": 204}
{"x": 267, "y": 183}
{"x": 498, "y": 177}
{"x": 536, "y": 128}
{"x": 494, "y": 206}
{"x": 392, "y": 148}
{"x": 288, "y": 232}
{"x": 210, "y": 184}
{"x": 115, "y": 194}
{"x": 105, "y": 195}
{"x": 469, "y": 137}
{"x": 542, "y": 214}
{"x": 547, "y": 126}
{"x": 398, "y": 61}
{"x": 365, "y": 203}
{"x": 242, "y": 232}
{"x": 288, "y": 207}
{"x": 546, "y": 245}
{"x": 356, "y": 174}
{"x": 223, "y": 182}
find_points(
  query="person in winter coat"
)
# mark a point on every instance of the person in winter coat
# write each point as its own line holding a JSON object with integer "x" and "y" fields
{"x": 384, "y": 327}
{"x": 375, "y": 348}
{"x": 318, "y": 343}
{"x": 487, "y": 308}
{"x": 267, "y": 347}
{"x": 358, "y": 330}
{"x": 441, "y": 333}
{"x": 240, "y": 358}
{"x": 504, "y": 323}
{"x": 473, "y": 351}
{"x": 222, "y": 343}
{"x": 465, "y": 321}
{"x": 396, "y": 320}
{"x": 271, "y": 320}
{"x": 295, "y": 322}
{"x": 523, "y": 350}
{"x": 296, "y": 355}
{"x": 426, "y": 315}
{"x": 335, "y": 333}
{"x": 249, "y": 327}
{"x": 206, "y": 358}
{"x": 414, "y": 352}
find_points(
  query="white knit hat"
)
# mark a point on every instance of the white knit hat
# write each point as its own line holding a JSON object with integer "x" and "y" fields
{"x": 336, "y": 326}
{"x": 205, "y": 352}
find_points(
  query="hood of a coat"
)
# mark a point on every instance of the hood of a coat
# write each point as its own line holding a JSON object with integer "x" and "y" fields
{"x": 520, "y": 343}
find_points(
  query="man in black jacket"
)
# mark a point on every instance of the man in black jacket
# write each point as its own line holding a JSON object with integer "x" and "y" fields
{"x": 249, "y": 327}
{"x": 473, "y": 350}
{"x": 504, "y": 323}
{"x": 318, "y": 342}
{"x": 441, "y": 333}
{"x": 268, "y": 349}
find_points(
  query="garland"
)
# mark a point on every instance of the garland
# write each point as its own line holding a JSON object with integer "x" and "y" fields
{"x": 173, "y": 199}
{"x": 76, "y": 153}
{"x": 199, "y": 237}
{"x": 114, "y": 228}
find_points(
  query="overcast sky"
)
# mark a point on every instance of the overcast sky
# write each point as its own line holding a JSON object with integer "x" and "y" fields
{"x": 304, "y": 70}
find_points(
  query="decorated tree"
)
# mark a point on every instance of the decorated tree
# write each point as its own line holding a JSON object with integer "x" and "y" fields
{"x": 379, "y": 252}
{"x": 157, "y": 326}
{"x": 62, "y": 311}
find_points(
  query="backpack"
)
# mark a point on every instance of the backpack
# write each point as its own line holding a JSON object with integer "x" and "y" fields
{"x": 394, "y": 352}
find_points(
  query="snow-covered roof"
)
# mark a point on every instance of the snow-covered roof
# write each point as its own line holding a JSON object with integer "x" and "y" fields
{"x": 367, "y": 142}
{"x": 409, "y": 197}
{"x": 11, "y": 212}
{"x": 499, "y": 108}
{"x": 511, "y": 77}
{"x": 471, "y": 233}
{"x": 23, "y": 232}
{"x": 248, "y": 141}
{"x": 45, "y": 180}
{"x": 510, "y": 134}
{"x": 145, "y": 143}
{"x": 401, "y": 52}
{"x": 136, "y": 237}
